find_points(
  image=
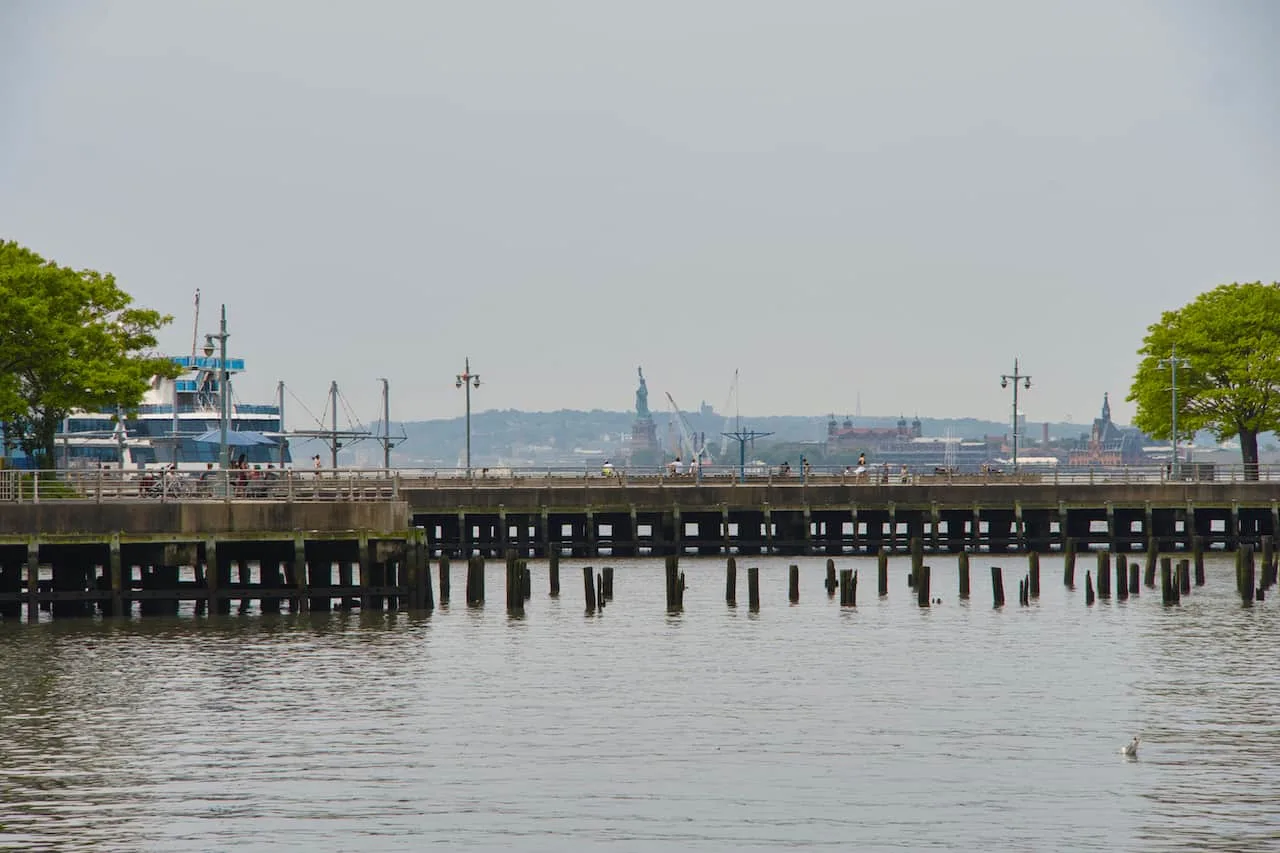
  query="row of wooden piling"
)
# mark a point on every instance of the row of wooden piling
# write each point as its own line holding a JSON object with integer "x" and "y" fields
{"x": 1251, "y": 583}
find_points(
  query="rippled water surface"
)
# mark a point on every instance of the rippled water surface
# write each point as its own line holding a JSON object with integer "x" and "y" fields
{"x": 885, "y": 727}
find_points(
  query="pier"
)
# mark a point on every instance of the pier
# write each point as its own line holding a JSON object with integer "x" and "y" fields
{"x": 589, "y": 517}
{"x": 79, "y": 547}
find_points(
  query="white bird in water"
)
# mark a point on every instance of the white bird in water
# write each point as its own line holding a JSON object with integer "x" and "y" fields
{"x": 1130, "y": 749}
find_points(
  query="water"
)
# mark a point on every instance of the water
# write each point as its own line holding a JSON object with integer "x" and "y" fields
{"x": 889, "y": 727}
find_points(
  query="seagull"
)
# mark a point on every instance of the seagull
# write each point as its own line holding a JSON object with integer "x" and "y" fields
{"x": 1130, "y": 750}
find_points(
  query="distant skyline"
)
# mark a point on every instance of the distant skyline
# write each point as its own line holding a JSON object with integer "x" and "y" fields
{"x": 889, "y": 200}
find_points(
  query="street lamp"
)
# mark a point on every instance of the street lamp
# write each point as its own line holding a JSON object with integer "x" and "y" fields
{"x": 224, "y": 374}
{"x": 1173, "y": 363}
{"x": 1004, "y": 383}
{"x": 466, "y": 379}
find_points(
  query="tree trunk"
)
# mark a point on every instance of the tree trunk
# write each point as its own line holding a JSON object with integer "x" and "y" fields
{"x": 45, "y": 427}
{"x": 1249, "y": 452}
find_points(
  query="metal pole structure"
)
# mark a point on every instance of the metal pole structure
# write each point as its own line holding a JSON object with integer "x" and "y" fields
{"x": 283, "y": 440}
{"x": 333, "y": 437}
{"x": 1004, "y": 383}
{"x": 1172, "y": 363}
{"x": 742, "y": 437}
{"x": 386, "y": 425}
{"x": 466, "y": 379}
{"x": 224, "y": 451}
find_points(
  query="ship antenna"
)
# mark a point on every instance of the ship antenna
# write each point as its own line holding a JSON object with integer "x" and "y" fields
{"x": 195, "y": 331}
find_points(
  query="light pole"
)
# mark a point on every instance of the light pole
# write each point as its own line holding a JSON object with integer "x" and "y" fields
{"x": 1004, "y": 383}
{"x": 223, "y": 375}
{"x": 1173, "y": 363}
{"x": 465, "y": 380}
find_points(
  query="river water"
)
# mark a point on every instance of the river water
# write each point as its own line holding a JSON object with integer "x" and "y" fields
{"x": 802, "y": 726}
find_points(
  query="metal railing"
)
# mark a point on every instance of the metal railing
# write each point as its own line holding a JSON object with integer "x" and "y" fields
{"x": 566, "y": 476}
{"x": 373, "y": 484}
{"x": 115, "y": 485}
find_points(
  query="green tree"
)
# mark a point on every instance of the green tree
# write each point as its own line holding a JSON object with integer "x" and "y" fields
{"x": 1230, "y": 383}
{"x": 69, "y": 340}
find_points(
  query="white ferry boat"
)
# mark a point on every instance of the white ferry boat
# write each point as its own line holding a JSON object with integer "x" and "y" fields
{"x": 177, "y": 423}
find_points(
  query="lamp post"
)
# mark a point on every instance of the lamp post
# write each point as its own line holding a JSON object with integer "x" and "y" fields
{"x": 1004, "y": 383}
{"x": 224, "y": 374}
{"x": 466, "y": 379}
{"x": 1173, "y": 363}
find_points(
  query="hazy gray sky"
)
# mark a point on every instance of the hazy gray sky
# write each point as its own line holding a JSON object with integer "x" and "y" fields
{"x": 888, "y": 198}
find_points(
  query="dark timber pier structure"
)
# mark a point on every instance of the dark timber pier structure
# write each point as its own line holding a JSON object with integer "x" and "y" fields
{"x": 589, "y": 518}
{"x": 77, "y": 558}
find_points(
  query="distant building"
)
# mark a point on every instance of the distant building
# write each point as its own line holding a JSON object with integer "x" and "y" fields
{"x": 1110, "y": 444}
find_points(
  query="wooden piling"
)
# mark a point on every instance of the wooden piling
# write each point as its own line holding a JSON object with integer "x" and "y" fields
{"x": 1268, "y": 570}
{"x": 1088, "y": 589}
{"x": 853, "y": 590}
{"x": 1102, "y": 577}
{"x": 608, "y": 582}
{"x": 444, "y": 580}
{"x": 1197, "y": 556}
{"x": 831, "y": 582}
{"x": 475, "y": 581}
{"x": 600, "y": 599}
{"x": 997, "y": 586}
{"x": 1069, "y": 565}
{"x": 753, "y": 588}
{"x": 1166, "y": 562}
{"x": 1022, "y": 591}
{"x": 964, "y": 574}
{"x": 1122, "y": 580}
{"x": 1135, "y": 579}
{"x": 793, "y": 584}
{"x": 675, "y": 583}
{"x": 589, "y": 589}
{"x": 1246, "y": 581}
{"x": 917, "y": 559}
{"x": 922, "y": 586}
{"x": 1152, "y": 555}
{"x": 731, "y": 582}
{"x": 553, "y": 570}
{"x": 1167, "y": 595}
{"x": 33, "y": 581}
{"x": 882, "y": 571}
{"x": 846, "y": 584}
{"x": 1033, "y": 574}
{"x": 515, "y": 585}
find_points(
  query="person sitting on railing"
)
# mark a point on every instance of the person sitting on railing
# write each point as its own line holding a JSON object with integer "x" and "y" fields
{"x": 903, "y": 476}
{"x": 607, "y": 468}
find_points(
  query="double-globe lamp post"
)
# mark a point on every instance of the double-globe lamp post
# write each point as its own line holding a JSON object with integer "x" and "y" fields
{"x": 1015, "y": 377}
{"x": 466, "y": 379}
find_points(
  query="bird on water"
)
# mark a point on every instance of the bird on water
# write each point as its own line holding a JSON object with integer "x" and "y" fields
{"x": 1130, "y": 749}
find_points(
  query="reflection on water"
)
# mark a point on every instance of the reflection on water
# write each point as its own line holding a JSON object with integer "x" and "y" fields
{"x": 801, "y": 726}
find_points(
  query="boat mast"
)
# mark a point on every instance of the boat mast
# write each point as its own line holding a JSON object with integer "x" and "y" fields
{"x": 195, "y": 327}
{"x": 283, "y": 440}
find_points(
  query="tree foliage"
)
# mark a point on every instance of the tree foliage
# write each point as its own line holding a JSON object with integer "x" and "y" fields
{"x": 69, "y": 340}
{"x": 1230, "y": 382}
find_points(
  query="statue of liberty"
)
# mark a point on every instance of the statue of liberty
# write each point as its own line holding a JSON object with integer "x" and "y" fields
{"x": 642, "y": 397}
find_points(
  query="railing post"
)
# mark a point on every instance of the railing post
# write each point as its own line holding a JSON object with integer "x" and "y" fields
{"x": 35, "y": 483}
{"x": 98, "y": 493}
{"x": 289, "y": 485}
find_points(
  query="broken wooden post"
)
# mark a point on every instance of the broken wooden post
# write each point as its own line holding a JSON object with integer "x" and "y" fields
{"x": 964, "y": 574}
{"x": 1122, "y": 580}
{"x": 1033, "y": 575}
{"x": 444, "y": 579}
{"x": 589, "y": 589}
{"x": 753, "y": 588}
{"x": 1088, "y": 589}
{"x": 831, "y": 582}
{"x": 882, "y": 571}
{"x": 1102, "y": 577}
{"x": 922, "y": 586}
{"x": 553, "y": 569}
{"x": 608, "y": 582}
{"x": 731, "y": 582}
{"x": 1197, "y": 555}
{"x": 1184, "y": 578}
{"x": 1069, "y": 565}
{"x": 997, "y": 586}
{"x": 1135, "y": 579}
{"x": 793, "y": 584}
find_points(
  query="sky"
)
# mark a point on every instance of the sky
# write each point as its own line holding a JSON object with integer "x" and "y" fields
{"x": 851, "y": 203}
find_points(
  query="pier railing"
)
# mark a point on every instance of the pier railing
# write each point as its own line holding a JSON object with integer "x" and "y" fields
{"x": 552, "y": 477}
{"x": 111, "y": 485}
{"x": 365, "y": 484}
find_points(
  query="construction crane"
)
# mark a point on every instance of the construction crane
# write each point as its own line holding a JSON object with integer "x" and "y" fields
{"x": 731, "y": 421}
{"x": 688, "y": 443}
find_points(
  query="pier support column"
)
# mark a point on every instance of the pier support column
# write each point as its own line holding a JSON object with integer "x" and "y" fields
{"x": 115, "y": 575}
{"x": 300, "y": 573}
{"x": 33, "y": 581}
{"x": 366, "y": 573}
